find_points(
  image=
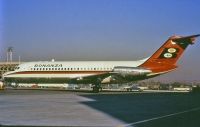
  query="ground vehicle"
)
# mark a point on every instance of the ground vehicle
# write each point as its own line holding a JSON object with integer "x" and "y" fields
{"x": 132, "y": 88}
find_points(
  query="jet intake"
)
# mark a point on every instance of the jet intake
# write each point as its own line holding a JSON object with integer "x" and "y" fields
{"x": 131, "y": 71}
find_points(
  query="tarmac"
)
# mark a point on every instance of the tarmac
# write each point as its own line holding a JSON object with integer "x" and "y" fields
{"x": 50, "y": 108}
{"x": 64, "y": 108}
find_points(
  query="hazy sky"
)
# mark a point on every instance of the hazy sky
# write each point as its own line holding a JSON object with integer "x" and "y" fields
{"x": 99, "y": 30}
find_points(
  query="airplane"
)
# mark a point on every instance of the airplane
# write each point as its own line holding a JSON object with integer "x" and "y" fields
{"x": 103, "y": 72}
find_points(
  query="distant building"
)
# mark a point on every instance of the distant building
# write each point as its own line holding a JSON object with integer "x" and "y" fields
{"x": 5, "y": 66}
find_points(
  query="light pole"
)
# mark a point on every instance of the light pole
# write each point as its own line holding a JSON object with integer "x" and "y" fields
{"x": 9, "y": 54}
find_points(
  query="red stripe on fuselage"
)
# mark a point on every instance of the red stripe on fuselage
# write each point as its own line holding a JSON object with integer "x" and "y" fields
{"x": 60, "y": 72}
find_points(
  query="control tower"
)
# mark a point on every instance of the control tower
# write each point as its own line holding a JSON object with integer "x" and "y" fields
{"x": 9, "y": 65}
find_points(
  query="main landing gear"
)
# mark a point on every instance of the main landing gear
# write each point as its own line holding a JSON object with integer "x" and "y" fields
{"x": 96, "y": 88}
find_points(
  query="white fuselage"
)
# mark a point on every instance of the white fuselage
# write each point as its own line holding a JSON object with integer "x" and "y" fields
{"x": 70, "y": 69}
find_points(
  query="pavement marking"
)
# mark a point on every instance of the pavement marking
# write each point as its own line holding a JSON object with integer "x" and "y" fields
{"x": 160, "y": 117}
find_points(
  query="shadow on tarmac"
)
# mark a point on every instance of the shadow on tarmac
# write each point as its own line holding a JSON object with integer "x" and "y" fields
{"x": 136, "y": 107}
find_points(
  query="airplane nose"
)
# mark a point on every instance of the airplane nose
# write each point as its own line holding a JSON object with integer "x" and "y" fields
{"x": 4, "y": 75}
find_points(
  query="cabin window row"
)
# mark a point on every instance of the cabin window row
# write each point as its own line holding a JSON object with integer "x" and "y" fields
{"x": 68, "y": 69}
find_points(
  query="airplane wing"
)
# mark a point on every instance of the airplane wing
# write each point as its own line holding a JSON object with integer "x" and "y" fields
{"x": 93, "y": 79}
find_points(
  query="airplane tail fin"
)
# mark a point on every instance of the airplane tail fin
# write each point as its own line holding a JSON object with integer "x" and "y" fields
{"x": 165, "y": 58}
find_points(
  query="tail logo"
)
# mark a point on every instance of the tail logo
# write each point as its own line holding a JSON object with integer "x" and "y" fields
{"x": 169, "y": 53}
{"x": 171, "y": 50}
